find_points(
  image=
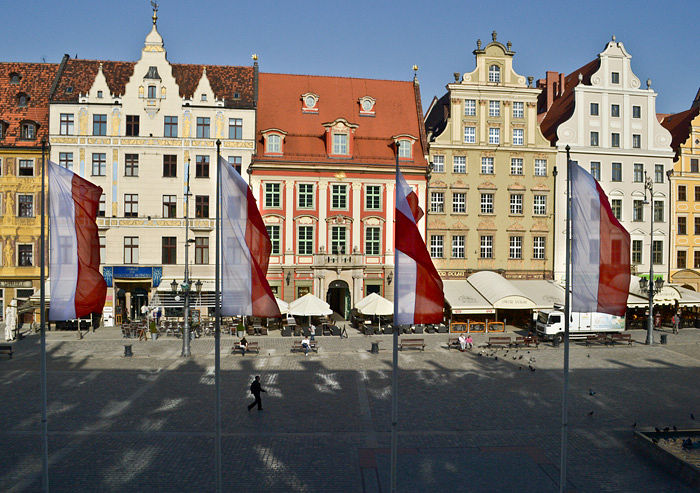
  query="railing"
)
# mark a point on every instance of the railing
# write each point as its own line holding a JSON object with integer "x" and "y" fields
{"x": 339, "y": 261}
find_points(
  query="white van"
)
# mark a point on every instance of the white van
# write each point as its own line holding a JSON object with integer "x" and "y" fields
{"x": 550, "y": 324}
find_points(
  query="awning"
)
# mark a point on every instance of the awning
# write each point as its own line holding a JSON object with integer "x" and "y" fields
{"x": 464, "y": 299}
{"x": 544, "y": 293}
{"x": 500, "y": 292}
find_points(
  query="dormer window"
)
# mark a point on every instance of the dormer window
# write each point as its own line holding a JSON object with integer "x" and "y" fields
{"x": 15, "y": 78}
{"x": 152, "y": 73}
{"x": 274, "y": 141}
{"x": 340, "y": 144}
{"x": 28, "y": 131}
{"x": 22, "y": 100}
{"x": 151, "y": 92}
{"x": 309, "y": 103}
{"x": 367, "y": 106}
{"x": 236, "y": 95}
{"x": 204, "y": 97}
{"x": 99, "y": 94}
{"x": 405, "y": 146}
{"x": 69, "y": 90}
{"x": 494, "y": 73}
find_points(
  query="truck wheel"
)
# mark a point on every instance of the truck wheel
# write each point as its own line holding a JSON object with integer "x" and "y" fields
{"x": 557, "y": 339}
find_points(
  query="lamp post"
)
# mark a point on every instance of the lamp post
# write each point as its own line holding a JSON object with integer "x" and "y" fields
{"x": 186, "y": 282}
{"x": 651, "y": 286}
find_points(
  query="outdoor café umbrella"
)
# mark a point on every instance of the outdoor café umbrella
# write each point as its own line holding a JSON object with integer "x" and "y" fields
{"x": 283, "y": 305}
{"x": 309, "y": 305}
{"x": 373, "y": 304}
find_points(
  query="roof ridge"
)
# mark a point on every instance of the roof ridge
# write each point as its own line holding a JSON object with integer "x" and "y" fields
{"x": 336, "y": 77}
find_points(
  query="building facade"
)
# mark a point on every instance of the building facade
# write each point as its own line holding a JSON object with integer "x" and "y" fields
{"x": 684, "y": 262}
{"x": 141, "y": 131}
{"x": 609, "y": 121}
{"x": 324, "y": 177}
{"x": 24, "y": 123}
{"x": 491, "y": 187}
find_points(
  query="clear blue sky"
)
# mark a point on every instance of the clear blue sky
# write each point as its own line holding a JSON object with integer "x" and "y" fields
{"x": 371, "y": 38}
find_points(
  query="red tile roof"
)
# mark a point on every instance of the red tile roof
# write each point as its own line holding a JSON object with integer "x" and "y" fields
{"x": 35, "y": 81}
{"x": 679, "y": 125}
{"x": 397, "y": 111}
{"x": 79, "y": 75}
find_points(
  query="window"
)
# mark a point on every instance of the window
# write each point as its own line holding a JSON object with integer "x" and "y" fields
{"x": 681, "y": 259}
{"x": 682, "y": 194}
{"x": 540, "y": 167}
{"x": 516, "y": 166}
{"x": 469, "y": 107}
{"x": 169, "y": 250}
{"x": 615, "y": 139}
{"x": 372, "y": 241}
{"x": 26, "y": 167}
{"x": 436, "y": 246}
{"x": 28, "y": 131}
{"x": 99, "y": 124}
{"x": 131, "y": 165}
{"x": 103, "y": 249}
{"x": 658, "y": 211}
{"x": 615, "y": 77}
{"x": 539, "y": 205}
{"x": 594, "y": 139}
{"x": 404, "y": 149}
{"x": 682, "y": 225}
{"x": 518, "y": 136}
{"x": 306, "y": 240}
{"x": 235, "y": 128}
{"x": 516, "y": 247}
{"x": 236, "y": 162}
{"x": 616, "y": 172}
{"x": 636, "y": 141}
{"x": 469, "y": 135}
{"x": 151, "y": 92}
{"x": 437, "y": 202}
{"x": 203, "y": 97}
{"x": 595, "y": 169}
{"x": 638, "y": 172}
{"x": 696, "y": 259}
{"x": 494, "y": 73}
{"x": 65, "y": 159}
{"x": 201, "y": 206}
{"x": 66, "y": 125}
{"x": 24, "y": 255}
{"x": 487, "y": 165}
{"x": 15, "y": 78}
{"x": 494, "y": 108}
{"x": 459, "y": 164}
{"x": 616, "y": 206}
{"x": 340, "y": 144}
{"x": 131, "y": 205}
{"x": 339, "y": 197}
{"x": 102, "y": 208}
{"x": 25, "y": 205}
{"x": 487, "y": 203}
{"x": 516, "y": 203}
{"x": 99, "y": 163}
{"x": 636, "y": 252}
{"x": 694, "y": 165}
{"x": 538, "y": 244}
{"x": 202, "y": 167}
{"x": 658, "y": 173}
{"x": 169, "y": 206}
{"x": 697, "y": 194}
{"x": 274, "y": 144}
{"x": 131, "y": 249}
{"x": 657, "y": 254}
{"x": 518, "y": 109}
{"x": 99, "y": 94}
{"x": 132, "y": 125}
{"x": 594, "y": 109}
{"x": 338, "y": 234}
{"x": 305, "y": 199}
{"x": 169, "y": 165}
{"x": 636, "y": 111}
{"x": 22, "y": 100}
{"x": 273, "y": 231}
{"x": 373, "y": 197}
{"x": 486, "y": 250}
{"x": 458, "y": 246}
{"x": 202, "y": 127}
{"x": 438, "y": 164}
{"x": 273, "y": 195}
{"x": 615, "y": 110}
{"x": 638, "y": 210}
{"x": 170, "y": 124}
{"x": 201, "y": 250}
{"x": 697, "y": 225}
{"x": 459, "y": 202}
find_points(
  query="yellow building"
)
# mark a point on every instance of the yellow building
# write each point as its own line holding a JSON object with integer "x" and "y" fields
{"x": 684, "y": 264}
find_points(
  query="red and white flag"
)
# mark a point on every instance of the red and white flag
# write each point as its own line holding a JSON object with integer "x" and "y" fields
{"x": 419, "y": 296}
{"x": 600, "y": 249}
{"x": 77, "y": 287}
{"x": 245, "y": 252}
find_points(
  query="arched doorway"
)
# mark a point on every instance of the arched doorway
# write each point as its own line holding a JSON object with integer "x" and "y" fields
{"x": 338, "y": 297}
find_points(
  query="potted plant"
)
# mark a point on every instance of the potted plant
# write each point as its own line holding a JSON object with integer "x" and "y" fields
{"x": 240, "y": 329}
{"x": 153, "y": 330}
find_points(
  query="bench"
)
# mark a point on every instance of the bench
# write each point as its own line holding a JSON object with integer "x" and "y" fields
{"x": 499, "y": 341}
{"x": 526, "y": 341}
{"x": 6, "y": 349}
{"x": 296, "y": 346}
{"x": 252, "y": 346}
{"x": 614, "y": 338}
{"x": 596, "y": 339}
{"x": 409, "y": 343}
{"x": 453, "y": 342}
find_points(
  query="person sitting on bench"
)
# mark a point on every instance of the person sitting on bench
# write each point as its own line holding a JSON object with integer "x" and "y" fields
{"x": 470, "y": 341}
{"x": 243, "y": 345}
{"x": 306, "y": 345}
{"x": 462, "y": 342}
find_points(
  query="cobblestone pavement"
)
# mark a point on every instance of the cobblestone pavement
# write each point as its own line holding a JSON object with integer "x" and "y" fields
{"x": 468, "y": 421}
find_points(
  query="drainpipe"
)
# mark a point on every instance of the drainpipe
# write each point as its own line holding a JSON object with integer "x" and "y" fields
{"x": 671, "y": 215}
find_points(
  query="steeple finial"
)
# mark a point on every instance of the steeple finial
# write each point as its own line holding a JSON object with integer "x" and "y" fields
{"x": 494, "y": 35}
{"x": 415, "y": 73}
{"x": 155, "y": 11}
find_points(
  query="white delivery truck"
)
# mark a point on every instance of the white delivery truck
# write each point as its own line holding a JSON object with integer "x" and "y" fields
{"x": 550, "y": 324}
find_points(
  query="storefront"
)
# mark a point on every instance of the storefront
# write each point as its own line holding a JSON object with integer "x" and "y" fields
{"x": 129, "y": 288}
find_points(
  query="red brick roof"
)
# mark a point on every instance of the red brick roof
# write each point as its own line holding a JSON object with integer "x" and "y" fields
{"x": 397, "y": 111}
{"x": 35, "y": 81}
{"x": 226, "y": 81}
{"x": 679, "y": 126}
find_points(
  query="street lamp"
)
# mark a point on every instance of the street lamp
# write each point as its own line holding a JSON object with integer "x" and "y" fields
{"x": 186, "y": 282}
{"x": 650, "y": 287}
{"x": 173, "y": 286}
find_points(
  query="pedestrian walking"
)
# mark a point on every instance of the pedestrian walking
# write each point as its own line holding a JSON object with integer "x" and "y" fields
{"x": 255, "y": 389}
{"x": 312, "y": 331}
{"x": 676, "y": 322}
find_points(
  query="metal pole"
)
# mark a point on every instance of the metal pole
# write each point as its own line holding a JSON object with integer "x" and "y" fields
{"x": 186, "y": 283}
{"x": 217, "y": 318}
{"x": 648, "y": 184}
{"x": 395, "y": 351}
{"x": 42, "y": 309}
{"x": 567, "y": 314}
{"x": 555, "y": 172}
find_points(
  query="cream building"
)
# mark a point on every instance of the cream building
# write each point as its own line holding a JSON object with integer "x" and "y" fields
{"x": 490, "y": 199}
{"x": 133, "y": 128}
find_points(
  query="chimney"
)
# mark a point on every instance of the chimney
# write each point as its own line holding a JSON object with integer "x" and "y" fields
{"x": 562, "y": 83}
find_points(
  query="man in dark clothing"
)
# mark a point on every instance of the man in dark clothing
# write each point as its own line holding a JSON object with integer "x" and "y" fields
{"x": 255, "y": 389}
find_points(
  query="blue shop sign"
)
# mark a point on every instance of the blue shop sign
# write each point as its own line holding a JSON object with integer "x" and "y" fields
{"x": 132, "y": 272}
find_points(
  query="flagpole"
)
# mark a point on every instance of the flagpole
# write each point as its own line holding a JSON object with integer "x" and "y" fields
{"x": 42, "y": 309}
{"x": 567, "y": 317}
{"x": 217, "y": 318}
{"x": 395, "y": 350}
